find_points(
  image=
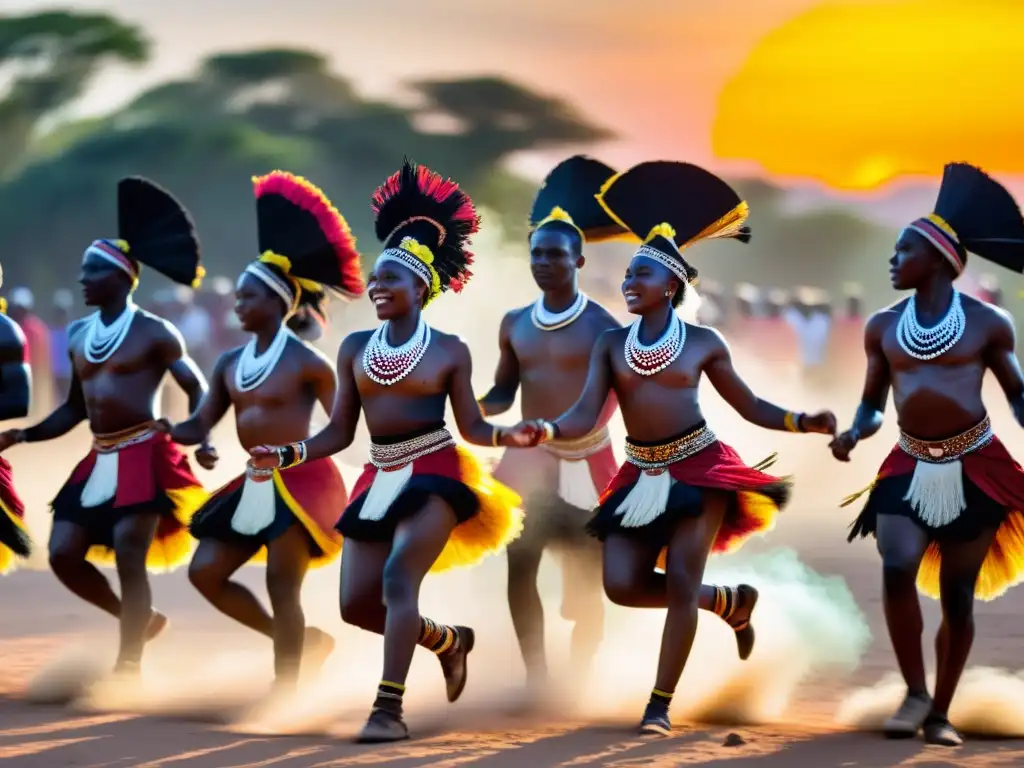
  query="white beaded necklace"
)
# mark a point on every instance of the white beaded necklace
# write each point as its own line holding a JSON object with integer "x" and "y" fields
{"x": 648, "y": 360}
{"x": 252, "y": 369}
{"x": 928, "y": 343}
{"x": 387, "y": 365}
{"x": 546, "y": 320}
{"x": 102, "y": 341}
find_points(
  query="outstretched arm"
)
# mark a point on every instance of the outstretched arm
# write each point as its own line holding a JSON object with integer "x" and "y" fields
{"x": 472, "y": 426}
{"x": 877, "y": 382}
{"x": 15, "y": 376}
{"x": 1002, "y": 361}
{"x": 506, "y": 378}
{"x": 215, "y": 403}
{"x": 723, "y": 377}
{"x": 64, "y": 418}
{"x": 585, "y": 413}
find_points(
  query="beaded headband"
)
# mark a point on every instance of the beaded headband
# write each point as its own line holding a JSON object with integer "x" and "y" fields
{"x": 939, "y": 233}
{"x": 648, "y": 251}
{"x": 417, "y": 257}
{"x": 113, "y": 252}
{"x": 272, "y": 281}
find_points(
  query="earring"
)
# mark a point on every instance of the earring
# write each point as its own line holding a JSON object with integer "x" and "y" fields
{"x": 668, "y": 294}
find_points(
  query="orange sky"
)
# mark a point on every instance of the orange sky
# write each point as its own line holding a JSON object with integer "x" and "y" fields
{"x": 654, "y": 75}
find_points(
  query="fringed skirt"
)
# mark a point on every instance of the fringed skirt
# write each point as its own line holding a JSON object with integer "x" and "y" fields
{"x": 560, "y": 483}
{"x": 954, "y": 490}
{"x": 253, "y": 514}
{"x": 405, "y": 472}
{"x": 14, "y": 538}
{"x": 660, "y": 484}
{"x": 134, "y": 471}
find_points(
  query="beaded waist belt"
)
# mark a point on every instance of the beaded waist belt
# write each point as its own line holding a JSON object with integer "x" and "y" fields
{"x": 951, "y": 449}
{"x": 581, "y": 448}
{"x": 659, "y": 456}
{"x": 397, "y": 455}
{"x": 118, "y": 441}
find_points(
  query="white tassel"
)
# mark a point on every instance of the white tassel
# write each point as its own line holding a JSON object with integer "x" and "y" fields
{"x": 646, "y": 501}
{"x": 102, "y": 483}
{"x": 937, "y": 492}
{"x": 386, "y": 487}
{"x": 256, "y": 508}
{"x": 575, "y": 485}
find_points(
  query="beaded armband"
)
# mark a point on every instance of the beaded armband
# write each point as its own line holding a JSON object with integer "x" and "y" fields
{"x": 792, "y": 421}
{"x": 496, "y": 433}
{"x": 551, "y": 431}
{"x": 291, "y": 455}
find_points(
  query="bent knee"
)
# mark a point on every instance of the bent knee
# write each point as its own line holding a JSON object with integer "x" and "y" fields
{"x": 205, "y": 579}
{"x": 359, "y": 611}
{"x": 620, "y": 590}
{"x": 399, "y": 585}
{"x": 63, "y": 559}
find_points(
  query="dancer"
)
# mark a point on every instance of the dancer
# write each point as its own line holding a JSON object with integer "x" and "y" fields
{"x": 682, "y": 494}
{"x": 129, "y": 501}
{"x": 421, "y": 504}
{"x": 273, "y": 383}
{"x": 15, "y": 400}
{"x": 545, "y": 351}
{"x": 947, "y": 504}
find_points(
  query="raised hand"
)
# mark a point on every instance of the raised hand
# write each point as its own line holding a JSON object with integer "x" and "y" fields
{"x": 823, "y": 423}
{"x": 206, "y": 456}
{"x": 843, "y": 444}
{"x": 9, "y": 438}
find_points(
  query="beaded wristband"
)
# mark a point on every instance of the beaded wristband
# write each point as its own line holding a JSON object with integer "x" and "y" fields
{"x": 291, "y": 455}
{"x": 792, "y": 421}
{"x": 496, "y": 433}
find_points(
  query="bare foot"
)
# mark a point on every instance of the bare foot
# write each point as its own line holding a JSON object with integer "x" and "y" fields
{"x": 157, "y": 624}
{"x": 317, "y": 647}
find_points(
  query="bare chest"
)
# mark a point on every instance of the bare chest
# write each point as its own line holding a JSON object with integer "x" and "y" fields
{"x": 132, "y": 356}
{"x": 429, "y": 377}
{"x": 683, "y": 373}
{"x": 565, "y": 349}
{"x": 967, "y": 351}
{"x": 284, "y": 387}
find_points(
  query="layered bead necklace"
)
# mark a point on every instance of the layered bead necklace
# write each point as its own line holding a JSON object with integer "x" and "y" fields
{"x": 928, "y": 343}
{"x": 252, "y": 369}
{"x": 387, "y": 365}
{"x": 547, "y": 320}
{"x": 648, "y": 360}
{"x": 102, "y": 341}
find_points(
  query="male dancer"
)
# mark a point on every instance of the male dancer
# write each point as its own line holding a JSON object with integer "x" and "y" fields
{"x": 682, "y": 493}
{"x": 947, "y": 505}
{"x": 422, "y": 504}
{"x": 273, "y": 383}
{"x": 130, "y": 499}
{"x": 15, "y": 399}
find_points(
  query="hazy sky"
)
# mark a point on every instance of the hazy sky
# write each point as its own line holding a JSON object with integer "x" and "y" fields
{"x": 652, "y": 76}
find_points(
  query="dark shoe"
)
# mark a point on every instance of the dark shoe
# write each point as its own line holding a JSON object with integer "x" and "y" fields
{"x": 656, "y": 722}
{"x": 743, "y": 628}
{"x": 909, "y": 717}
{"x": 383, "y": 726}
{"x": 453, "y": 663}
{"x": 938, "y": 730}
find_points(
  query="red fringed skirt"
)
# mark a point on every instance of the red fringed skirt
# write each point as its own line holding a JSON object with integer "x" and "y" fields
{"x": 663, "y": 483}
{"x": 134, "y": 471}
{"x": 14, "y": 538}
{"x": 406, "y": 471}
{"x": 985, "y": 478}
{"x": 253, "y": 514}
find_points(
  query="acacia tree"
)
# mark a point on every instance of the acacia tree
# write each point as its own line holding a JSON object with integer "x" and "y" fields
{"x": 49, "y": 59}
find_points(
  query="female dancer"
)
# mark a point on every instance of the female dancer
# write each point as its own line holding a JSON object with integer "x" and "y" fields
{"x": 682, "y": 493}
{"x": 421, "y": 504}
{"x": 273, "y": 383}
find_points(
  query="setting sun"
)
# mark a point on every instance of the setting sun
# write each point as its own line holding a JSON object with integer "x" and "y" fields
{"x": 856, "y": 94}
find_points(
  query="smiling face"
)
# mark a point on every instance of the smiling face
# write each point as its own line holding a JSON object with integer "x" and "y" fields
{"x": 647, "y": 285}
{"x": 914, "y": 261}
{"x": 395, "y": 290}
{"x": 256, "y": 305}
{"x": 102, "y": 282}
{"x": 554, "y": 258}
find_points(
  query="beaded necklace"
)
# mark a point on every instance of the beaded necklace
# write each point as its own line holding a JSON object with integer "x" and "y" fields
{"x": 546, "y": 320}
{"x": 928, "y": 343}
{"x": 102, "y": 341}
{"x": 387, "y": 365}
{"x": 648, "y": 360}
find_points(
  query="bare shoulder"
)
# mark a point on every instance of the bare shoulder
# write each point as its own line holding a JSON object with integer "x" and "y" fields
{"x": 451, "y": 343}
{"x": 981, "y": 310}
{"x": 75, "y": 327}
{"x": 158, "y": 328}
{"x": 309, "y": 355}
{"x": 513, "y": 315}
{"x": 11, "y": 334}
{"x": 599, "y": 318}
{"x": 880, "y": 321}
{"x": 354, "y": 343}
{"x": 706, "y": 337}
